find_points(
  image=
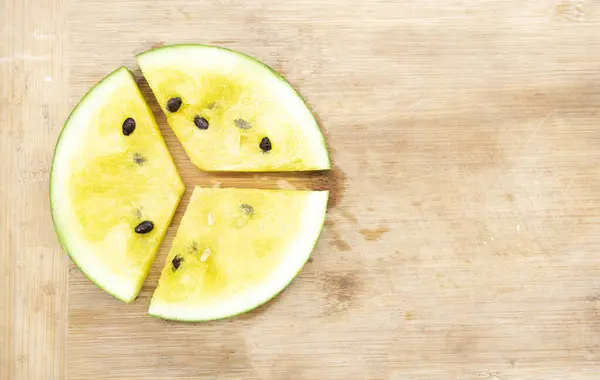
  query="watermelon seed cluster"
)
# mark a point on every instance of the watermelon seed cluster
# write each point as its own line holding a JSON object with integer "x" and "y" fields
{"x": 174, "y": 104}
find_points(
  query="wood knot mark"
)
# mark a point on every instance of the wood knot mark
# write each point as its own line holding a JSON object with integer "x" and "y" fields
{"x": 49, "y": 289}
{"x": 340, "y": 290}
{"x": 373, "y": 234}
{"x": 570, "y": 10}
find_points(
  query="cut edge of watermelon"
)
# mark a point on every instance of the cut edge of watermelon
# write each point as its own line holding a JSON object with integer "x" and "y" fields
{"x": 299, "y": 251}
{"x": 102, "y": 278}
{"x": 323, "y": 162}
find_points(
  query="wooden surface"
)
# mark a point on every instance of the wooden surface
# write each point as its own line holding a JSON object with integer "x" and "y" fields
{"x": 463, "y": 230}
{"x": 33, "y": 268}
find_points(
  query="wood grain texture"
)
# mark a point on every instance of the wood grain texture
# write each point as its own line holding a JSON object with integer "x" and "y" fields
{"x": 462, "y": 238}
{"x": 462, "y": 235}
{"x": 33, "y": 105}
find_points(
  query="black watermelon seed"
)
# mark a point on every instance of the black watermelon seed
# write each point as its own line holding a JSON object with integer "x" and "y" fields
{"x": 176, "y": 262}
{"x": 201, "y": 122}
{"x": 265, "y": 144}
{"x": 128, "y": 126}
{"x": 173, "y": 104}
{"x": 139, "y": 159}
{"x": 247, "y": 209}
{"x": 242, "y": 124}
{"x": 144, "y": 227}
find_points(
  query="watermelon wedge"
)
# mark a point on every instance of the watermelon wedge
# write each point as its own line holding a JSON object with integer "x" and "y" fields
{"x": 233, "y": 113}
{"x": 113, "y": 186}
{"x": 236, "y": 249}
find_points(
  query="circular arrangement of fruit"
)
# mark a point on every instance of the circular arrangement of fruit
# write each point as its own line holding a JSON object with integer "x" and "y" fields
{"x": 114, "y": 187}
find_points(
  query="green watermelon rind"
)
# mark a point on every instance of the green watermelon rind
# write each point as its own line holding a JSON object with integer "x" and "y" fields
{"x": 248, "y": 57}
{"x": 86, "y": 98}
{"x": 250, "y": 307}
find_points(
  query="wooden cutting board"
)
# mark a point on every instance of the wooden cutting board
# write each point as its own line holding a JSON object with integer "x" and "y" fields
{"x": 462, "y": 238}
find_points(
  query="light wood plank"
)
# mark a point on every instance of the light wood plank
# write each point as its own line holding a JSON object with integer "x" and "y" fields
{"x": 33, "y": 83}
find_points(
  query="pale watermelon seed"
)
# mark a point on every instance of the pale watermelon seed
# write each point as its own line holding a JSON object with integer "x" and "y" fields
{"x": 242, "y": 124}
{"x": 205, "y": 255}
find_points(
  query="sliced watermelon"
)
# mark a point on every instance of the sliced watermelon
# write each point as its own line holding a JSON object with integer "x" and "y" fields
{"x": 236, "y": 249}
{"x": 113, "y": 186}
{"x": 232, "y": 112}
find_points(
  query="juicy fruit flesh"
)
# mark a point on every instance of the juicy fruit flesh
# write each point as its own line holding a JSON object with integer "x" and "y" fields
{"x": 225, "y": 100}
{"x": 241, "y": 110}
{"x": 229, "y": 241}
{"x": 112, "y": 193}
{"x": 113, "y": 182}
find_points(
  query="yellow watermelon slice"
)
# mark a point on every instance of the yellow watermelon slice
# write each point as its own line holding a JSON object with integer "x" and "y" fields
{"x": 114, "y": 186}
{"x": 232, "y": 112}
{"x": 236, "y": 249}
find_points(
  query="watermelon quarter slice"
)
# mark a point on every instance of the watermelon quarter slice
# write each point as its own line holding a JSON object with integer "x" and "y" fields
{"x": 233, "y": 113}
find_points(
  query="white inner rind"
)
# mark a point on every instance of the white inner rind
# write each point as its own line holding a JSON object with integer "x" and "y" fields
{"x": 293, "y": 259}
